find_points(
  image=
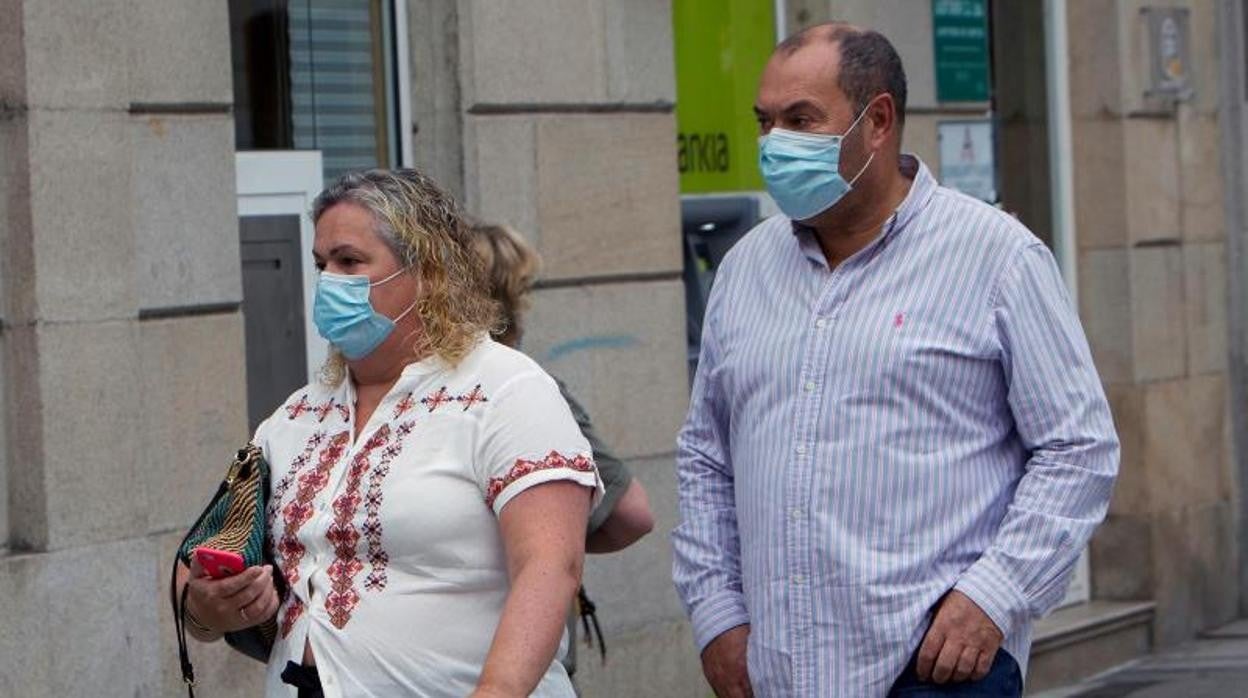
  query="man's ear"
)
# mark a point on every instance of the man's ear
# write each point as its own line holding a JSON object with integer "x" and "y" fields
{"x": 882, "y": 114}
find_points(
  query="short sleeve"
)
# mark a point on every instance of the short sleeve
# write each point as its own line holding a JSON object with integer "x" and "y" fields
{"x": 528, "y": 437}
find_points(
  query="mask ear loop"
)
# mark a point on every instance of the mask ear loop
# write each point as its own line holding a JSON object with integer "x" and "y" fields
{"x": 864, "y": 169}
{"x": 388, "y": 278}
{"x": 872, "y": 156}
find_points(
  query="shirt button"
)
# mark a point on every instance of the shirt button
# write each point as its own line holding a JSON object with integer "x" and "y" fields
{"x": 810, "y": 386}
{"x": 821, "y": 323}
{"x": 799, "y": 579}
{"x": 797, "y": 513}
{"x": 800, "y": 449}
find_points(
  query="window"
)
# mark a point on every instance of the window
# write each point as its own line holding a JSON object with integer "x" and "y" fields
{"x": 317, "y": 75}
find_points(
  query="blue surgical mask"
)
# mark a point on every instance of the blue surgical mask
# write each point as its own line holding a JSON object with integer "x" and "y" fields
{"x": 803, "y": 170}
{"x": 345, "y": 317}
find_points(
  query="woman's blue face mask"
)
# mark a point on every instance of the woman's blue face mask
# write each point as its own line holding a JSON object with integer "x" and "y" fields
{"x": 803, "y": 170}
{"x": 345, "y": 317}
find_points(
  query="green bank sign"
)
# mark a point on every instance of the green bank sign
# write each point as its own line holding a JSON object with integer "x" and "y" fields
{"x": 960, "y": 36}
{"x": 721, "y": 47}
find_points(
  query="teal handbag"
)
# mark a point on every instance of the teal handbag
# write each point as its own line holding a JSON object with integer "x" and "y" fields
{"x": 235, "y": 520}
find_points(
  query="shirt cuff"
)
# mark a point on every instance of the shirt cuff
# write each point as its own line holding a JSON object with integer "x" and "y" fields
{"x": 716, "y": 615}
{"x": 990, "y": 587}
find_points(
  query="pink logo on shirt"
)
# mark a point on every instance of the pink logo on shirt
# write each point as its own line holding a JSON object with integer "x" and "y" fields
{"x": 897, "y": 321}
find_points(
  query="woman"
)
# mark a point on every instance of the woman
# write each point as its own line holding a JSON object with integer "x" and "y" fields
{"x": 623, "y": 516}
{"x": 430, "y": 493}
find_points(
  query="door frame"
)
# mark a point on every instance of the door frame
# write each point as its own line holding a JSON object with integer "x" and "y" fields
{"x": 1232, "y": 21}
{"x": 285, "y": 182}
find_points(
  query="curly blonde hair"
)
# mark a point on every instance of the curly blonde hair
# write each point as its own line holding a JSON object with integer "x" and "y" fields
{"x": 423, "y": 226}
{"x": 511, "y": 266}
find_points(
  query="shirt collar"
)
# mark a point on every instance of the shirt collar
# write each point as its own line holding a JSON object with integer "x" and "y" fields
{"x": 921, "y": 189}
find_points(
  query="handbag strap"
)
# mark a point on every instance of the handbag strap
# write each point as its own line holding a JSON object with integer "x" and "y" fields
{"x": 179, "y": 601}
{"x": 589, "y": 612}
{"x": 184, "y": 657}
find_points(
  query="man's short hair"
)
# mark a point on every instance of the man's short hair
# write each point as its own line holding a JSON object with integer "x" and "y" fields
{"x": 869, "y": 63}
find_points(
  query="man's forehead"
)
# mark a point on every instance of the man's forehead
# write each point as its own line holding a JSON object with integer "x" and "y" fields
{"x": 808, "y": 72}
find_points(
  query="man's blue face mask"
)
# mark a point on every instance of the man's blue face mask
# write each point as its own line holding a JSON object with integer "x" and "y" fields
{"x": 803, "y": 170}
{"x": 345, "y": 317}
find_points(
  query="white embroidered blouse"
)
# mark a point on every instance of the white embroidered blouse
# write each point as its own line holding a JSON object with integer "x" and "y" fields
{"x": 390, "y": 542}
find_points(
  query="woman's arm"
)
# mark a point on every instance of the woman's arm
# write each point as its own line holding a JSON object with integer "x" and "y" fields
{"x": 543, "y": 531}
{"x": 628, "y": 522}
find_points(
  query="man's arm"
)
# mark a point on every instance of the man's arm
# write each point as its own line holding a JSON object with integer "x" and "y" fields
{"x": 1064, "y": 421}
{"x": 707, "y": 559}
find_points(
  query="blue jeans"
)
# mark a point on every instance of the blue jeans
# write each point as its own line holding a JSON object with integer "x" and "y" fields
{"x": 1003, "y": 679}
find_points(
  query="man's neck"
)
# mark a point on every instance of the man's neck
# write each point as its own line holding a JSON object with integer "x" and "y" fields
{"x": 842, "y": 237}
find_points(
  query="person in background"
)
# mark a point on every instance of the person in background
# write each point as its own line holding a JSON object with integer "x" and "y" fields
{"x": 429, "y": 492}
{"x": 623, "y": 516}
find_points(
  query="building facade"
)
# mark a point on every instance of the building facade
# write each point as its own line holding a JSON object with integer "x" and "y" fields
{"x": 156, "y": 157}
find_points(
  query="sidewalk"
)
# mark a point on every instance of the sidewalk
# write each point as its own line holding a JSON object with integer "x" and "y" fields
{"x": 1214, "y": 665}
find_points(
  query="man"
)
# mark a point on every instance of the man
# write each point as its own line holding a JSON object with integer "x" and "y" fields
{"x": 897, "y": 444}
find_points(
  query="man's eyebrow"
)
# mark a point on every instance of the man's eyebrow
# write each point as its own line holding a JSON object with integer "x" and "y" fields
{"x": 801, "y": 105}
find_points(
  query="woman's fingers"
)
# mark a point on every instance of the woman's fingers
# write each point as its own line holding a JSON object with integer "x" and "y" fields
{"x": 234, "y": 602}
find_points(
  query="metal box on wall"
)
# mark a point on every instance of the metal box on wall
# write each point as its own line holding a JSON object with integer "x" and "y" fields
{"x": 1168, "y": 42}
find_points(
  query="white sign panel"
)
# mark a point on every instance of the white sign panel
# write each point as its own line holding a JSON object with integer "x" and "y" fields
{"x": 967, "y": 158}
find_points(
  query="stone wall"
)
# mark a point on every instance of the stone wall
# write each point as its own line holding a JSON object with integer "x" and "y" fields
{"x": 1152, "y": 278}
{"x": 123, "y": 354}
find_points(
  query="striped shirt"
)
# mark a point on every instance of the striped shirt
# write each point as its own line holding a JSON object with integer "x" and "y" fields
{"x": 862, "y": 439}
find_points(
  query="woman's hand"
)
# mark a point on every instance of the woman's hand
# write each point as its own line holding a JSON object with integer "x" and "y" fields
{"x": 232, "y": 603}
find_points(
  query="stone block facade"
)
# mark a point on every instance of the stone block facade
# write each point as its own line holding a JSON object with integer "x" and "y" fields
{"x": 116, "y": 198}
{"x": 122, "y": 364}
{"x": 1153, "y": 295}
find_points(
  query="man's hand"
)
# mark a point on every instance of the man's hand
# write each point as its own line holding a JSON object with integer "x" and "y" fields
{"x": 961, "y": 643}
{"x": 723, "y": 663}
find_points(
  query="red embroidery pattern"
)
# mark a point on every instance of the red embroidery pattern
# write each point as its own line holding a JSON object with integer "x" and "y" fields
{"x": 471, "y": 398}
{"x": 296, "y": 465}
{"x": 404, "y": 405}
{"x": 297, "y": 511}
{"x": 322, "y": 411}
{"x": 290, "y": 614}
{"x": 378, "y": 559}
{"x": 523, "y": 467}
{"x": 342, "y": 597}
{"x": 437, "y": 399}
{"x": 299, "y": 408}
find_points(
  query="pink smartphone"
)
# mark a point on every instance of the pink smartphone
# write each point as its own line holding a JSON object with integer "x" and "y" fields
{"x": 219, "y": 563}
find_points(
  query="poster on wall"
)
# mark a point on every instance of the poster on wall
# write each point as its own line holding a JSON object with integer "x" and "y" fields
{"x": 967, "y": 157}
{"x": 721, "y": 48}
{"x": 960, "y": 40}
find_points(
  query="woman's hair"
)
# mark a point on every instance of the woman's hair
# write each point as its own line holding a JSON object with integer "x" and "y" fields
{"x": 511, "y": 265}
{"x": 423, "y": 226}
